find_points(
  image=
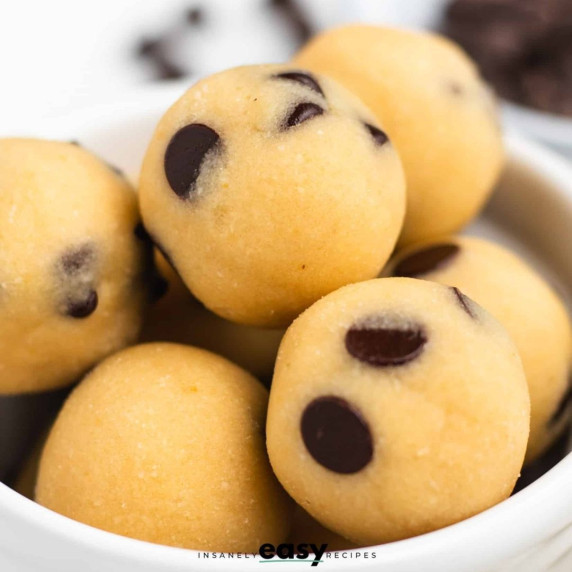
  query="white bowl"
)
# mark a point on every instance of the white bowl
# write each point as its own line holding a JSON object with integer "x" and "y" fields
{"x": 531, "y": 531}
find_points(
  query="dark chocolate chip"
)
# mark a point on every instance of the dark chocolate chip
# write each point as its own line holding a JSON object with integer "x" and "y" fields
{"x": 295, "y": 18}
{"x": 303, "y": 78}
{"x": 82, "y": 308}
{"x": 426, "y": 260}
{"x": 379, "y": 136}
{"x": 302, "y": 112}
{"x": 465, "y": 302}
{"x": 185, "y": 153}
{"x": 74, "y": 142}
{"x": 195, "y": 16}
{"x": 382, "y": 346}
{"x": 154, "y": 51}
{"x": 77, "y": 260}
{"x": 563, "y": 407}
{"x": 336, "y": 435}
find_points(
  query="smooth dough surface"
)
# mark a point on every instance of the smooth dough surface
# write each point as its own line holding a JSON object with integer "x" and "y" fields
{"x": 74, "y": 274}
{"x": 179, "y": 317}
{"x": 398, "y": 406}
{"x": 165, "y": 443}
{"x": 523, "y": 302}
{"x": 267, "y": 188}
{"x": 438, "y": 112}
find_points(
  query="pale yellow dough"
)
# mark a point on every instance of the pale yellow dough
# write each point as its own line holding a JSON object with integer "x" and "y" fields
{"x": 438, "y": 112}
{"x": 179, "y": 317}
{"x": 448, "y": 427}
{"x": 524, "y": 303}
{"x": 277, "y": 216}
{"x": 67, "y": 246}
{"x": 165, "y": 443}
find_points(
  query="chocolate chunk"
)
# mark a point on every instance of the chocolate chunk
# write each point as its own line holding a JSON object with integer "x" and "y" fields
{"x": 384, "y": 346}
{"x": 336, "y": 435}
{"x": 185, "y": 154}
{"x": 77, "y": 260}
{"x": 465, "y": 302}
{"x": 302, "y": 112}
{"x": 378, "y": 135}
{"x": 303, "y": 78}
{"x": 427, "y": 260}
{"x": 84, "y": 307}
{"x": 563, "y": 407}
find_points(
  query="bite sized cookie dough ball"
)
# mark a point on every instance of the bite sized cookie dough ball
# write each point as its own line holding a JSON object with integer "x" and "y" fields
{"x": 398, "y": 406}
{"x": 179, "y": 317}
{"x": 523, "y": 302}
{"x": 74, "y": 274}
{"x": 165, "y": 443}
{"x": 436, "y": 109}
{"x": 268, "y": 187}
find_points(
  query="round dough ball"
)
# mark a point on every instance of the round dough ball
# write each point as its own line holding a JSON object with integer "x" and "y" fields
{"x": 436, "y": 109}
{"x": 165, "y": 443}
{"x": 179, "y": 317}
{"x": 74, "y": 274}
{"x": 523, "y": 303}
{"x": 398, "y": 406}
{"x": 268, "y": 188}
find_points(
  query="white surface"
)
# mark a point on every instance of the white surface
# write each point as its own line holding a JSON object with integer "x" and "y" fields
{"x": 530, "y": 532}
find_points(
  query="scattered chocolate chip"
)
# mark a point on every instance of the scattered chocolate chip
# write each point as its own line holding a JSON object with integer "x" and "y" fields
{"x": 195, "y": 16}
{"x": 563, "y": 406}
{"x": 379, "y": 136}
{"x": 185, "y": 153}
{"x": 82, "y": 308}
{"x": 155, "y": 52}
{"x": 465, "y": 302}
{"x": 77, "y": 260}
{"x": 295, "y": 17}
{"x": 455, "y": 88}
{"x": 302, "y": 78}
{"x": 336, "y": 435}
{"x": 382, "y": 346}
{"x": 303, "y": 112}
{"x": 74, "y": 142}
{"x": 427, "y": 260}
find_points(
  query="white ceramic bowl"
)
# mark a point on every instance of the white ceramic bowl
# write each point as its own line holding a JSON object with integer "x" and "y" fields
{"x": 531, "y": 531}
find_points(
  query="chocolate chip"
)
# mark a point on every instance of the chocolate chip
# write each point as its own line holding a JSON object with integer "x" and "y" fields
{"x": 336, "y": 435}
{"x": 563, "y": 406}
{"x": 455, "y": 88}
{"x": 77, "y": 260}
{"x": 380, "y": 346}
{"x": 84, "y": 307}
{"x": 379, "y": 136}
{"x": 465, "y": 302}
{"x": 185, "y": 154}
{"x": 426, "y": 260}
{"x": 116, "y": 170}
{"x": 302, "y": 78}
{"x": 295, "y": 18}
{"x": 74, "y": 142}
{"x": 302, "y": 112}
{"x": 195, "y": 16}
{"x": 155, "y": 51}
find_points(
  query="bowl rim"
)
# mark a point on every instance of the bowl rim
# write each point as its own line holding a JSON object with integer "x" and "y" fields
{"x": 483, "y": 536}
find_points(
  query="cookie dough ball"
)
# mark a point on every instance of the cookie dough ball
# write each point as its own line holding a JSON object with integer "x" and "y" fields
{"x": 268, "y": 187}
{"x": 179, "y": 317}
{"x": 436, "y": 109}
{"x": 73, "y": 272}
{"x": 165, "y": 443}
{"x": 523, "y": 302}
{"x": 398, "y": 406}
